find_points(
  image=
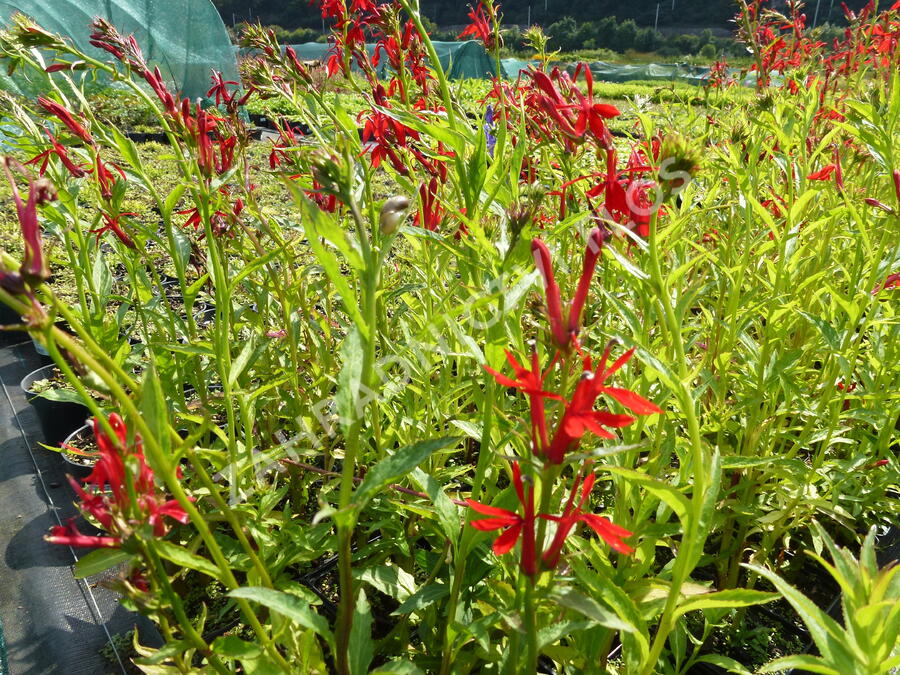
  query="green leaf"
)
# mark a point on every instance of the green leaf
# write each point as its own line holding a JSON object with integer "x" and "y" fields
{"x": 182, "y": 247}
{"x": 232, "y": 647}
{"x": 347, "y": 398}
{"x": 670, "y": 495}
{"x": 100, "y": 561}
{"x": 63, "y": 395}
{"x": 172, "y": 201}
{"x": 825, "y": 631}
{"x": 813, "y": 664}
{"x": 242, "y": 361}
{"x": 361, "y": 646}
{"x": 102, "y": 278}
{"x": 725, "y": 663}
{"x": 591, "y": 609}
{"x": 396, "y": 466}
{"x": 289, "y": 606}
{"x": 154, "y": 409}
{"x": 126, "y": 147}
{"x": 735, "y": 597}
{"x": 390, "y": 580}
{"x": 445, "y": 510}
{"x": 559, "y": 629}
{"x": 401, "y": 667}
{"x": 184, "y": 558}
{"x": 424, "y": 597}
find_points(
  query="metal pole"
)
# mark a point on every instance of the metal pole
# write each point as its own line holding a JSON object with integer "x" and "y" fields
{"x": 529, "y": 16}
{"x": 816, "y": 15}
{"x": 656, "y": 21}
{"x": 830, "y": 7}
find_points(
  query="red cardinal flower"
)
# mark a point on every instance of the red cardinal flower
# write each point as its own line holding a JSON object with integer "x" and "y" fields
{"x": 66, "y": 117}
{"x": 431, "y": 213}
{"x": 573, "y": 514}
{"x": 480, "y": 27}
{"x": 530, "y": 383}
{"x": 60, "y": 151}
{"x": 512, "y": 524}
{"x": 592, "y": 115}
{"x": 123, "y": 495}
{"x": 112, "y": 224}
{"x": 824, "y": 173}
{"x": 580, "y": 417}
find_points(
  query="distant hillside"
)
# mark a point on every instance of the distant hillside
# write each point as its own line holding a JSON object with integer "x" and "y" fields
{"x": 694, "y": 13}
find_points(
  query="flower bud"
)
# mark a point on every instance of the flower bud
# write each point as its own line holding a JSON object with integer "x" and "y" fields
{"x": 679, "y": 162}
{"x": 392, "y": 214}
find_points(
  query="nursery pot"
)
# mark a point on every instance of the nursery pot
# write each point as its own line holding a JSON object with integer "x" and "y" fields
{"x": 79, "y": 438}
{"x": 10, "y": 317}
{"x": 58, "y": 419}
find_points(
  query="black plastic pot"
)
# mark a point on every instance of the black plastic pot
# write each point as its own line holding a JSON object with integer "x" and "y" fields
{"x": 77, "y": 438}
{"x": 10, "y": 317}
{"x": 58, "y": 419}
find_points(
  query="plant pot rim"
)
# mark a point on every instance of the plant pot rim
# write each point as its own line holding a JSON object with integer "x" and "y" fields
{"x": 66, "y": 455}
{"x": 25, "y": 388}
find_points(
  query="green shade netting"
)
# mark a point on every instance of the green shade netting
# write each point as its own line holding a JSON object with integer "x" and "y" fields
{"x": 460, "y": 60}
{"x": 185, "y": 38}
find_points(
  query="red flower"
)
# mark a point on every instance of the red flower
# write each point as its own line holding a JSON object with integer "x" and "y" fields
{"x": 611, "y": 533}
{"x": 512, "y": 524}
{"x": 580, "y": 417}
{"x": 431, "y": 213}
{"x": 34, "y": 268}
{"x": 626, "y": 197}
{"x": 530, "y": 383}
{"x": 107, "y": 179}
{"x": 124, "y": 493}
{"x": 565, "y": 334}
{"x": 592, "y": 115}
{"x": 220, "y": 88}
{"x": 824, "y": 173}
{"x": 60, "y": 151}
{"x": 892, "y": 281}
{"x": 66, "y": 117}
{"x": 111, "y": 224}
{"x": 480, "y": 27}
{"x": 68, "y": 535}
